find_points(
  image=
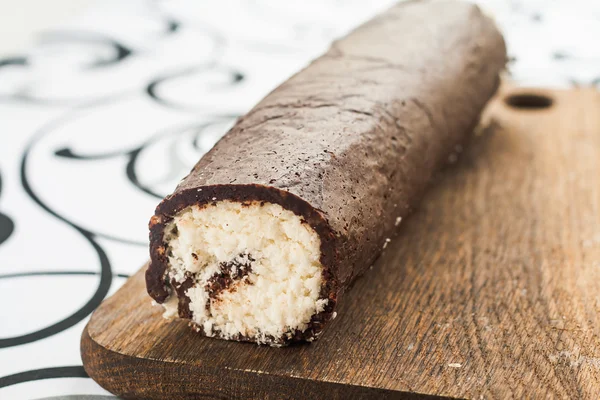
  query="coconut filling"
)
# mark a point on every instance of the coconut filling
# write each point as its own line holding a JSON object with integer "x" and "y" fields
{"x": 254, "y": 269}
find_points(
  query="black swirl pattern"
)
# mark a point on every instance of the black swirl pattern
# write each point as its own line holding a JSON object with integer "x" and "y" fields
{"x": 176, "y": 167}
{"x": 222, "y": 78}
{"x": 7, "y": 225}
{"x": 13, "y": 61}
{"x": 100, "y": 51}
{"x": 105, "y": 268}
{"x": 91, "y": 40}
{"x": 75, "y": 371}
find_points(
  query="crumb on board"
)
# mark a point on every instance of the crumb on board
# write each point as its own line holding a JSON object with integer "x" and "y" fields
{"x": 455, "y": 365}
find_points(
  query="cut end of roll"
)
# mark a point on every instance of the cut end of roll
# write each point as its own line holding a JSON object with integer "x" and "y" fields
{"x": 244, "y": 271}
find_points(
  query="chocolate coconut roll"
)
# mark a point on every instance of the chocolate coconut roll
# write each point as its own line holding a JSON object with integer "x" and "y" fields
{"x": 263, "y": 237}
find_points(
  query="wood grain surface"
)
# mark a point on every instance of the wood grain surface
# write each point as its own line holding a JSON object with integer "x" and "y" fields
{"x": 491, "y": 289}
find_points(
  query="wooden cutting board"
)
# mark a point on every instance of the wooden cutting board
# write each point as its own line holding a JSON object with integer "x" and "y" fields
{"x": 490, "y": 290}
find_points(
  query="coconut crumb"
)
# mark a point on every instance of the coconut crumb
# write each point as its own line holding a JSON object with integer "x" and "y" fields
{"x": 170, "y": 307}
{"x": 266, "y": 260}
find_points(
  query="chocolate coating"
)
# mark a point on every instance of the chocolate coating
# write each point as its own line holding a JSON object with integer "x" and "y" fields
{"x": 350, "y": 142}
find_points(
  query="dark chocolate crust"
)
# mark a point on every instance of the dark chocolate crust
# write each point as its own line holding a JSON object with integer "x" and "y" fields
{"x": 350, "y": 142}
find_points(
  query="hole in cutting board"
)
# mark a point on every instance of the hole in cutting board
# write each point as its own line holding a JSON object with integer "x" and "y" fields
{"x": 528, "y": 101}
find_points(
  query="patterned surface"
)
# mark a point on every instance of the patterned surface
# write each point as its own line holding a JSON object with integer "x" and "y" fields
{"x": 106, "y": 113}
